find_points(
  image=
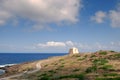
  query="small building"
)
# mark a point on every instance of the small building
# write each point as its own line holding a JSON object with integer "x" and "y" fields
{"x": 73, "y": 51}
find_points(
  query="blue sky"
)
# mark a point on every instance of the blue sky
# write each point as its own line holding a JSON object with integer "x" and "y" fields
{"x": 46, "y": 26}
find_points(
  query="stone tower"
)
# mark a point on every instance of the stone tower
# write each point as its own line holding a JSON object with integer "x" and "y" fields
{"x": 73, "y": 51}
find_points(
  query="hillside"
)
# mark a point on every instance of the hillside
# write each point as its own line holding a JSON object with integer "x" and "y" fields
{"x": 100, "y": 65}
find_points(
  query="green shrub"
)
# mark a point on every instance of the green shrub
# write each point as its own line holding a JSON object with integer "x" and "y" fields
{"x": 61, "y": 60}
{"x": 52, "y": 71}
{"x": 103, "y": 61}
{"x": 46, "y": 65}
{"x": 110, "y": 74}
{"x": 45, "y": 78}
{"x": 117, "y": 55}
{"x": 56, "y": 64}
{"x": 63, "y": 63}
{"x": 44, "y": 74}
{"x": 103, "y": 53}
{"x": 91, "y": 69}
{"x": 76, "y": 70}
{"x": 100, "y": 61}
{"x": 77, "y": 55}
{"x": 81, "y": 58}
{"x": 106, "y": 67}
{"x": 117, "y": 78}
{"x": 112, "y": 51}
{"x": 93, "y": 56}
{"x": 79, "y": 76}
{"x": 62, "y": 66}
{"x": 85, "y": 56}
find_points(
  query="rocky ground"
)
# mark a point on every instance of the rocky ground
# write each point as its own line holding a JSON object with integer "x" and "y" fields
{"x": 100, "y": 65}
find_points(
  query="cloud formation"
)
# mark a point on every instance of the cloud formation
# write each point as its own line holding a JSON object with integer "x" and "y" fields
{"x": 4, "y": 16}
{"x": 40, "y": 11}
{"x": 112, "y": 15}
{"x": 56, "y": 44}
{"x": 99, "y": 17}
{"x": 52, "y": 44}
{"x": 65, "y": 46}
{"x": 115, "y": 18}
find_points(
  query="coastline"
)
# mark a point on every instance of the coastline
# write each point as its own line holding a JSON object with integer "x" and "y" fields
{"x": 73, "y": 66}
{"x": 8, "y": 59}
{"x": 20, "y": 67}
{"x": 2, "y": 71}
{"x": 5, "y": 65}
{"x": 2, "y": 68}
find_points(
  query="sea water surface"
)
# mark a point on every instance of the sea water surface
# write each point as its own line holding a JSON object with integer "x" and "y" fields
{"x": 7, "y": 59}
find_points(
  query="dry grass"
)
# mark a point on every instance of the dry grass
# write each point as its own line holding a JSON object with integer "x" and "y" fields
{"x": 73, "y": 65}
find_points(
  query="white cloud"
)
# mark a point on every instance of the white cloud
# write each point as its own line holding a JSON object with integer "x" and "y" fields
{"x": 57, "y": 44}
{"x": 38, "y": 27}
{"x": 42, "y": 11}
{"x": 99, "y": 17}
{"x": 70, "y": 43}
{"x": 81, "y": 46}
{"x": 52, "y": 44}
{"x": 117, "y": 44}
{"x": 115, "y": 18}
{"x": 90, "y": 47}
{"x": 4, "y": 15}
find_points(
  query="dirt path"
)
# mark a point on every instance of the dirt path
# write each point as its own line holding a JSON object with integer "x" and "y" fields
{"x": 38, "y": 67}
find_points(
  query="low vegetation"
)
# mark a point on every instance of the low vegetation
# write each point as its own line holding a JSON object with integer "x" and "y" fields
{"x": 101, "y": 65}
{"x": 102, "y": 52}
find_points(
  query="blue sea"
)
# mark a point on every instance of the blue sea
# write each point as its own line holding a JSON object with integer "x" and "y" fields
{"x": 7, "y": 59}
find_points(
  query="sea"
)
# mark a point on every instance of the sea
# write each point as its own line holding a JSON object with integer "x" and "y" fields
{"x": 8, "y": 59}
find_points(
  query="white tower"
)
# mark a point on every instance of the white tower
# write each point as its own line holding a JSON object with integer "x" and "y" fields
{"x": 73, "y": 51}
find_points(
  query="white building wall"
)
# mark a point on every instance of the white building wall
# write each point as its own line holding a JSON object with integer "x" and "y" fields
{"x": 73, "y": 51}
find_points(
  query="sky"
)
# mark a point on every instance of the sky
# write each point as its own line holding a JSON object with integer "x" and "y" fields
{"x": 54, "y": 26}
